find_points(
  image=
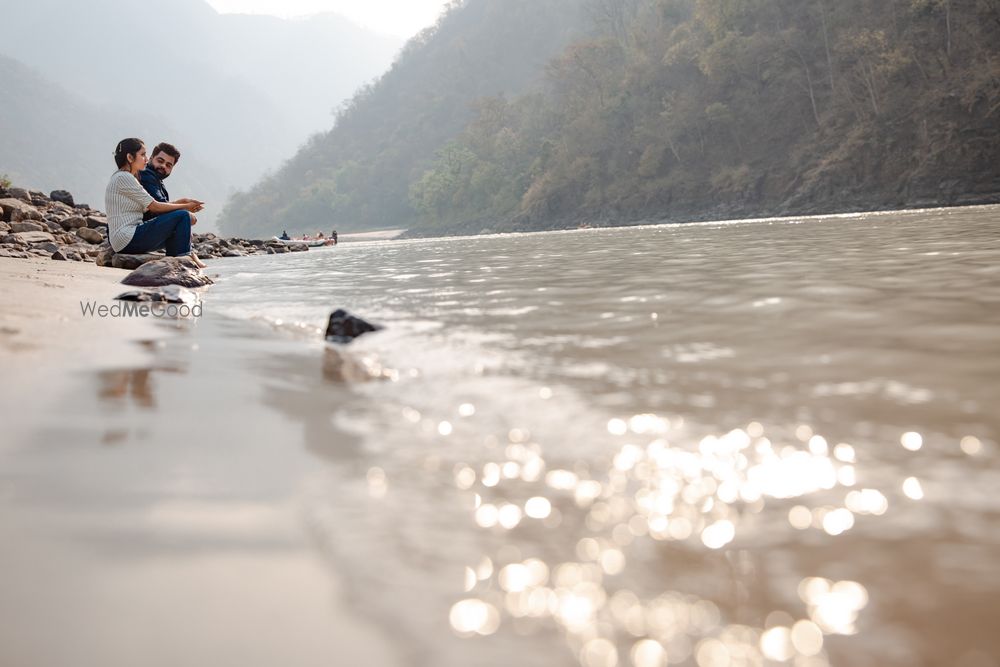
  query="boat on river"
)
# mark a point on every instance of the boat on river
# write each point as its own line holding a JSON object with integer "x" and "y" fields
{"x": 312, "y": 243}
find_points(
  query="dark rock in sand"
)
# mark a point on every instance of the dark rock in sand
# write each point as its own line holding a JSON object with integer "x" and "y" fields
{"x": 130, "y": 262}
{"x": 167, "y": 294}
{"x": 27, "y": 227}
{"x": 96, "y": 222}
{"x": 59, "y": 255}
{"x": 90, "y": 235}
{"x": 344, "y": 327}
{"x": 62, "y": 196}
{"x": 168, "y": 271}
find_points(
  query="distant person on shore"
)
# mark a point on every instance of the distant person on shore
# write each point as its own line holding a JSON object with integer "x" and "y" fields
{"x": 126, "y": 201}
{"x": 284, "y": 236}
{"x": 334, "y": 237}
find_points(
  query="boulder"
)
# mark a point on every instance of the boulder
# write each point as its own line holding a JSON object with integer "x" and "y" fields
{"x": 26, "y": 227}
{"x": 90, "y": 235}
{"x": 104, "y": 254}
{"x": 167, "y": 293}
{"x": 232, "y": 253}
{"x": 4, "y": 227}
{"x": 95, "y": 222}
{"x": 168, "y": 271}
{"x": 62, "y": 196}
{"x": 14, "y": 253}
{"x": 130, "y": 262}
{"x": 20, "y": 193}
{"x": 60, "y": 255}
{"x": 27, "y": 238}
{"x": 15, "y": 210}
{"x": 73, "y": 222}
{"x": 297, "y": 247}
{"x": 53, "y": 227}
{"x": 344, "y": 327}
{"x": 49, "y": 247}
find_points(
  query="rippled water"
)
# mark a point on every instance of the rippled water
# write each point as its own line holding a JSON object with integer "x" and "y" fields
{"x": 717, "y": 444}
{"x": 771, "y": 442}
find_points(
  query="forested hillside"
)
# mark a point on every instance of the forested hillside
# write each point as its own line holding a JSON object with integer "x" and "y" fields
{"x": 358, "y": 175}
{"x": 682, "y": 109}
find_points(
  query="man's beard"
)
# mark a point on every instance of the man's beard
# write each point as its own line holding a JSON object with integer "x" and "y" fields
{"x": 161, "y": 173}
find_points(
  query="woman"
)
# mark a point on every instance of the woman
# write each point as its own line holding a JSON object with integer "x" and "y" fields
{"x": 125, "y": 201}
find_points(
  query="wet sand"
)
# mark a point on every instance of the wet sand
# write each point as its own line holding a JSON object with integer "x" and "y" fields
{"x": 152, "y": 511}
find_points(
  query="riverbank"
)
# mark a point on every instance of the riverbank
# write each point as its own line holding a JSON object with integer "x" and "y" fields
{"x": 43, "y": 325}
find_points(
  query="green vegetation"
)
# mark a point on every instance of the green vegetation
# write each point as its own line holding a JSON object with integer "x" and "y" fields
{"x": 4, "y": 181}
{"x": 667, "y": 109}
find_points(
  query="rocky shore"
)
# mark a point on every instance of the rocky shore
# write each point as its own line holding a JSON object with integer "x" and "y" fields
{"x": 53, "y": 226}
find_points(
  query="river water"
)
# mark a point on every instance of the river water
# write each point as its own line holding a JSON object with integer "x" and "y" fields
{"x": 713, "y": 444}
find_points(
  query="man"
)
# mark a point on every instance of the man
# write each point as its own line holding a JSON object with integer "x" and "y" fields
{"x": 161, "y": 165}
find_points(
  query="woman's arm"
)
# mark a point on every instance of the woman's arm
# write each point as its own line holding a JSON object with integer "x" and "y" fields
{"x": 182, "y": 205}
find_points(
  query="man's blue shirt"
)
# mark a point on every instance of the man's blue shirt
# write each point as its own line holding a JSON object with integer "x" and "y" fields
{"x": 150, "y": 180}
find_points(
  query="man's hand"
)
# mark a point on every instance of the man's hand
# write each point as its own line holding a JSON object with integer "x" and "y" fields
{"x": 192, "y": 205}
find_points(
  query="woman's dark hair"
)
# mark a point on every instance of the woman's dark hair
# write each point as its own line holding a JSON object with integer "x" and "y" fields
{"x": 125, "y": 148}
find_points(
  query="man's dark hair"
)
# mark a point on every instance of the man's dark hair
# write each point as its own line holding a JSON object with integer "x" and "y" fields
{"x": 169, "y": 149}
{"x": 125, "y": 148}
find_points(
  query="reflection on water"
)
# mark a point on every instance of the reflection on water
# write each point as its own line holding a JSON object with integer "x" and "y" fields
{"x": 713, "y": 445}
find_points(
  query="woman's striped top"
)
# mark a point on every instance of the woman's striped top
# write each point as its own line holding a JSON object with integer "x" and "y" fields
{"x": 124, "y": 201}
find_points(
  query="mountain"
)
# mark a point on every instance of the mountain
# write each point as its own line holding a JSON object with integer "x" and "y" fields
{"x": 524, "y": 116}
{"x": 357, "y": 175}
{"x": 52, "y": 138}
{"x": 239, "y": 93}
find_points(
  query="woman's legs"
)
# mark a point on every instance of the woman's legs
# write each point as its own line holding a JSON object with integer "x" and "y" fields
{"x": 171, "y": 231}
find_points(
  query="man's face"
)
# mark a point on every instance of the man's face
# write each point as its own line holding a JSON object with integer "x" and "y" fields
{"x": 162, "y": 164}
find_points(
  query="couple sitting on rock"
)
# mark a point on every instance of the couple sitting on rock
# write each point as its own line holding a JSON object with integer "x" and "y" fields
{"x": 140, "y": 217}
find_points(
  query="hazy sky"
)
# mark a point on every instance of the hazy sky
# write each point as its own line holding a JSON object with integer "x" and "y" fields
{"x": 404, "y": 18}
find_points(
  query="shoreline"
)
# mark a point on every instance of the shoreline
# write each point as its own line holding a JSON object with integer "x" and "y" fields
{"x": 43, "y": 326}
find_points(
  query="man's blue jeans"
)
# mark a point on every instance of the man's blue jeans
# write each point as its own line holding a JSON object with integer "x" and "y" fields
{"x": 171, "y": 231}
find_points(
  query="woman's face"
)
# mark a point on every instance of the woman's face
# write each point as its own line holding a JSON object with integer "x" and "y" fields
{"x": 140, "y": 160}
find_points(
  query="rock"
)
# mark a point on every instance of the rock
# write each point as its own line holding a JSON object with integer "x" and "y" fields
{"x": 232, "y": 253}
{"x": 168, "y": 271}
{"x": 20, "y": 193}
{"x": 104, "y": 254}
{"x": 73, "y": 222}
{"x": 131, "y": 262}
{"x": 26, "y": 227}
{"x": 344, "y": 327}
{"x": 278, "y": 249}
{"x": 53, "y": 227}
{"x": 15, "y": 210}
{"x": 90, "y": 235}
{"x": 27, "y": 238}
{"x": 167, "y": 293}
{"x": 4, "y": 228}
{"x": 59, "y": 255}
{"x": 62, "y": 196}
{"x": 298, "y": 247}
{"x": 49, "y": 247}
{"x": 95, "y": 222}
{"x": 11, "y": 252}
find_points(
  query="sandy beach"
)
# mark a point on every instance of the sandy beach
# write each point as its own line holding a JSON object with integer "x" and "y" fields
{"x": 42, "y": 325}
